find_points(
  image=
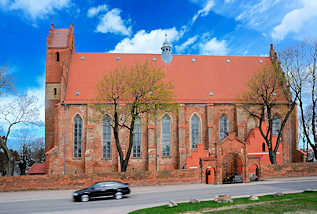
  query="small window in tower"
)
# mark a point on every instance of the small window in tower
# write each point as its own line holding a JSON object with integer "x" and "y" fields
{"x": 57, "y": 56}
{"x": 55, "y": 91}
{"x": 263, "y": 147}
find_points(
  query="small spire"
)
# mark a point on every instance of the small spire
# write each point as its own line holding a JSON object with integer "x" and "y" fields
{"x": 166, "y": 51}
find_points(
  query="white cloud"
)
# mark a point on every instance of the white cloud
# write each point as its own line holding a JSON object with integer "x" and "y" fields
{"x": 93, "y": 11}
{"x": 143, "y": 42}
{"x": 296, "y": 20}
{"x": 36, "y": 8}
{"x": 185, "y": 45}
{"x": 259, "y": 14}
{"x": 39, "y": 92}
{"x": 214, "y": 47}
{"x": 205, "y": 11}
{"x": 274, "y": 18}
{"x": 112, "y": 22}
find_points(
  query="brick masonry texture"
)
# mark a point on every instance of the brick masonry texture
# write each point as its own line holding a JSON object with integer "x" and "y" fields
{"x": 289, "y": 170}
{"x": 44, "y": 182}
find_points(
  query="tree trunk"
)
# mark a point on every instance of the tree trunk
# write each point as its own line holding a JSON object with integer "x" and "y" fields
{"x": 10, "y": 167}
{"x": 131, "y": 130}
{"x": 272, "y": 156}
{"x": 315, "y": 151}
{"x": 124, "y": 166}
{"x": 127, "y": 158}
{"x": 22, "y": 166}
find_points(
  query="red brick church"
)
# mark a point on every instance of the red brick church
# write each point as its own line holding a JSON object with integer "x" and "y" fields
{"x": 210, "y": 129}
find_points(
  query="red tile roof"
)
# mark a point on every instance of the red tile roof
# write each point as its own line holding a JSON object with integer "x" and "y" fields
{"x": 193, "y": 81}
{"x": 58, "y": 38}
{"x": 37, "y": 168}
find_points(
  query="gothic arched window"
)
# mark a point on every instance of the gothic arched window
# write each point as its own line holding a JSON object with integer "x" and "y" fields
{"x": 276, "y": 124}
{"x": 78, "y": 124}
{"x": 106, "y": 137}
{"x": 263, "y": 147}
{"x": 223, "y": 127}
{"x": 251, "y": 124}
{"x": 195, "y": 131}
{"x": 136, "y": 149}
{"x": 166, "y": 135}
{"x": 57, "y": 56}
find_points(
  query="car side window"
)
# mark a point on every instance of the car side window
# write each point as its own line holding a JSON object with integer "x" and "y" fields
{"x": 98, "y": 185}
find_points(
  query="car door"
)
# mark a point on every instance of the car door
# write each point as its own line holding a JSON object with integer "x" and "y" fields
{"x": 108, "y": 189}
{"x": 97, "y": 190}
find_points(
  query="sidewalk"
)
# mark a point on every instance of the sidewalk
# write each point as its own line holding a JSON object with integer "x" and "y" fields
{"x": 292, "y": 178}
{"x": 67, "y": 194}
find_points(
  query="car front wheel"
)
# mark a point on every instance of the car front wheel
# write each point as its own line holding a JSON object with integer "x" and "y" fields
{"x": 118, "y": 195}
{"x": 84, "y": 198}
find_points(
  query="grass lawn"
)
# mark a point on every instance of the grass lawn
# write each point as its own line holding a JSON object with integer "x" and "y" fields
{"x": 301, "y": 202}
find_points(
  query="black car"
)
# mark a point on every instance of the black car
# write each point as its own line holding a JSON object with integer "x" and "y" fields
{"x": 102, "y": 189}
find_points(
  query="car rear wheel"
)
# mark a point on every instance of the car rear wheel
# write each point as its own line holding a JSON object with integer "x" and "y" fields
{"x": 118, "y": 195}
{"x": 84, "y": 198}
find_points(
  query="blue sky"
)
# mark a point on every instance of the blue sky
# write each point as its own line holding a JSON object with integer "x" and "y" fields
{"x": 211, "y": 27}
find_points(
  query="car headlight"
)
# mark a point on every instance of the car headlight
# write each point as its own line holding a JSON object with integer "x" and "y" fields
{"x": 75, "y": 194}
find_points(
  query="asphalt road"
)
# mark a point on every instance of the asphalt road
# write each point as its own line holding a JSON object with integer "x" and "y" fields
{"x": 61, "y": 202}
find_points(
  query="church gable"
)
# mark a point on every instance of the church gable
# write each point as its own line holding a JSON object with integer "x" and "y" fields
{"x": 232, "y": 144}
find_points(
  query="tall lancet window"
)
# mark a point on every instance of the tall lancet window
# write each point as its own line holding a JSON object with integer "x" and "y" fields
{"x": 276, "y": 125}
{"x": 106, "y": 137}
{"x": 195, "y": 131}
{"x": 78, "y": 124}
{"x": 136, "y": 149}
{"x": 166, "y": 135}
{"x": 223, "y": 127}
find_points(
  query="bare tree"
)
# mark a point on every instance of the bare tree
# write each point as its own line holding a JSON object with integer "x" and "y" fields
{"x": 269, "y": 92}
{"x": 22, "y": 110}
{"x": 128, "y": 94}
{"x": 25, "y": 158}
{"x": 31, "y": 149}
{"x": 6, "y": 81}
{"x": 38, "y": 150}
{"x": 4, "y": 161}
{"x": 299, "y": 63}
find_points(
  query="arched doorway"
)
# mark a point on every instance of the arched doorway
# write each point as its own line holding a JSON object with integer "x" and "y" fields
{"x": 232, "y": 168}
{"x": 254, "y": 172}
{"x": 210, "y": 176}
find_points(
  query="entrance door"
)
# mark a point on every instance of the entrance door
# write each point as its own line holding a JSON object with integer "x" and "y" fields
{"x": 210, "y": 176}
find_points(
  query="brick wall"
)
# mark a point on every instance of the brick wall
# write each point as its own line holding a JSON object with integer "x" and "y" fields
{"x": 151, "y": 158}
{"x": 43, "y": 182}
{"x": 289, "y": 170}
